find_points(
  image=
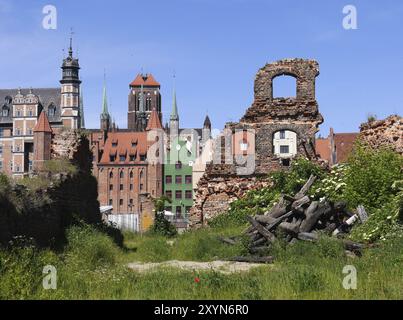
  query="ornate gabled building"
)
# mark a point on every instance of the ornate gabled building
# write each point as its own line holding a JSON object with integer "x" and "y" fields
{"x": 127, "y": 176}
{"x": 144, "y": 97}
{"x": 20, "y": 111}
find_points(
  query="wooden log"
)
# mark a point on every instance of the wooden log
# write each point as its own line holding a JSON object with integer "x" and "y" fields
{"x": 279, "y": 220}
{"x": 228, "y": 241}
{"x": 313, "y": 214}
{"x": 262, "y": 230}
{"x": 280, "y": 208}
{"x": 265, "y": 219}
{"x": 304, "y": 190}
{"x": 301, "y": 202}
{"x": 289, "y": 228}
{"x": 259, "y": 242}
{"x": 253, "y": 259}
{"x": 306, "y": 236}
{"x": 362, "y": 214}
{"x": 259, "y": 250}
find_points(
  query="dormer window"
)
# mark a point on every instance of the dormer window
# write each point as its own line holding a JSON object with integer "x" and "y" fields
{"x": 51, "y": 110}
{"x": 5, "y": 111}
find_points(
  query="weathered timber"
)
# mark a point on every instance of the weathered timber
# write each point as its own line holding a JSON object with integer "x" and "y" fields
{"x": 262, "y": 230}
{"x": 312, "y": 215}
{"x": 304, "y": 190}
{"x": 253, "y": 259}
{"x": 227, "y": 241}
{"x": 301, "y": 202}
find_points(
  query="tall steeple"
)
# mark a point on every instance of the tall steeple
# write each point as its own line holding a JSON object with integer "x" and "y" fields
{"x": 105, "y": 116}
{"x": 174, "y": 118}
{"x": 70, "y": 90}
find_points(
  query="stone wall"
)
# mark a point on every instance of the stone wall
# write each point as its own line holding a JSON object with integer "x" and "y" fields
{"x": 388, "y": 132}
{"x": 220, "y": 184}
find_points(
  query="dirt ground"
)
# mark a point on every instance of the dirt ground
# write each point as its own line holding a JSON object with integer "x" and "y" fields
{"x": 226, "y": 267}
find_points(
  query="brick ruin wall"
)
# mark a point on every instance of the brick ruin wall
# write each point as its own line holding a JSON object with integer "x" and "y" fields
{"x": 388, "y": 132}
{"x": 220, "y": 184}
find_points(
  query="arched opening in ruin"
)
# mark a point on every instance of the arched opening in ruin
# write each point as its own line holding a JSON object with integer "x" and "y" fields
{"x": 284, "y": 86}
{"x": 285, "y": 145}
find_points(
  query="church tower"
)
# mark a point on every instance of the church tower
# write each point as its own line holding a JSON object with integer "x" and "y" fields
{"x": 105, "y": 116}
{"x": 144, "y": 97}
{"x": 70, "y": 91}
{"x": 174, "y": 118}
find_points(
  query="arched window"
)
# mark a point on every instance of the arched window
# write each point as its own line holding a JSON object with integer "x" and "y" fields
{"x": 284, "y": 86}
{"x": 131, "y": 175}
{"x": 111, "y": 175}
{"x": 122, "y": 175}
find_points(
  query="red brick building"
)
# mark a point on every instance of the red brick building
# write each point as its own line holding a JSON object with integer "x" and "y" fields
{"x": 122, "y": 167}
{"x": 336, "y": 147}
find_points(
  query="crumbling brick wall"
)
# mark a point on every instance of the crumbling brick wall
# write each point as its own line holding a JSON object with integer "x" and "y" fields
{"x": 265, "y": 117}
{"x": 388, "y": 132}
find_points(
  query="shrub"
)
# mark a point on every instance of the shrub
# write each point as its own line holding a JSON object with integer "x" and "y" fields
{"x": 370, "y": 176}
{"x": 161, "y": 225}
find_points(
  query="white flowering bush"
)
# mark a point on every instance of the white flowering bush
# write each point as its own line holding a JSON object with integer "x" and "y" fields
{"x": 332, "y": 186}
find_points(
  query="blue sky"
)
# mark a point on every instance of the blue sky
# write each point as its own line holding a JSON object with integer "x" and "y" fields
{"x": 215, "y": 48}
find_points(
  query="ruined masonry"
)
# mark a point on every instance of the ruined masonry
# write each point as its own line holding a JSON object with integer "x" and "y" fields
{"x": 284, "y": 128}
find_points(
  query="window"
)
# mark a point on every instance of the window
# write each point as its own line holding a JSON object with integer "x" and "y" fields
{"x": 141, "y": 186}
{"x": 30, "y": 113}
{"x": 168, "y": 179}
{"x": 284, "y": 86}
{"x": 51, "y": 110}
{"x": 178, "y": 179}
{"x": 114, "y": 144}
{"x": 1, "y": 149}
{"x": 5, "y": 111}
{"x": 178, "y": 166}
{"x": 131, "y": 202}
{"x": 1, "y": 165}
{"x": 111, "y": 187}
{"x": 110, "y": 202}
{"x": 188, "y": 194}
{"x": 121, "y": 187}
{"x": 30, "y": 132}
{"x": 30, "y": 165}
{"x": 284, "y": 149}
{"x": 178, "y": 211}
{"x": 111, "y": 175}
{"x": 112, "y": 158}
{"x": 18, "y": 113}
{"x": 131, "y": 187}
{"x": 18, "y": 132}
{"x": 143, "y": 158}
{"x": 121, "y": 202}
{"x": 188, "y": 179}
{"x": 122, "y": 158}
{"x": 131, "y": 175}
{"x": 121, "y": 175}
{"x": 168, "y": 194}
{"x": 178, "y": 194}
{"x": 1, "y": 132}
{"x": 132, "y": 158}
{"x": 282, "y": 134}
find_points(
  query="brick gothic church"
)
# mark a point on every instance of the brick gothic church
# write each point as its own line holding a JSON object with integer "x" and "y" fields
{"x": 29, "y": 118}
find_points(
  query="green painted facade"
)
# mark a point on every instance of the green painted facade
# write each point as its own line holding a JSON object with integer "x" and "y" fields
{"x": 178, "y": 180}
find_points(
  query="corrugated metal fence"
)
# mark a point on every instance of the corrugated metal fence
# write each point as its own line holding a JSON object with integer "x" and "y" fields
{"x": 126, "y": 222}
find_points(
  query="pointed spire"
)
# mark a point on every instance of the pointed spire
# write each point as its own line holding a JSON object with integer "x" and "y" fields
{"x": 207, "y": 123}
{"x": 174, "y": 114}
{"x": 154, "y": 122}
{"x": 43, "y": 124}
{"x": 105, "y": 112}
{"x": 71, "y": 43}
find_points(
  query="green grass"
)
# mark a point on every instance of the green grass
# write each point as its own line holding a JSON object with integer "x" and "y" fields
{"x": 93, "y": 267}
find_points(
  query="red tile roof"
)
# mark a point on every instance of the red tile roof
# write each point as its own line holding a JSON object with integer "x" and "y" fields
{"x": 125, "y": 147}
{"x": 146, "y": 80}
{"x": 43, "y": 124}
{"x": 154, "y": 122}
